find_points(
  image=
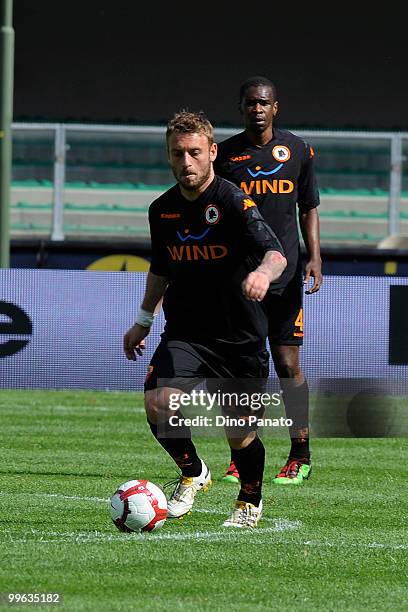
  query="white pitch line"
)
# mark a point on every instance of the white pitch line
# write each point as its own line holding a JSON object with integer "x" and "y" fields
{"x": 106, "y": 501}
{"x": 196, "y": 510}
{"x": 83, "y": 408}
{"x": 62, "y": 496}
{"x": 96, "y": 536}
{"x": 99, "y": 537}
{"x": 280, "y": 525}
{"x": 74, "y": 497}
{"x": 357, "y": 545}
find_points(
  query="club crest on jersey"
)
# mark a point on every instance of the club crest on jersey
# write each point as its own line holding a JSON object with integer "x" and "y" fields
{"x": 212, "y": 214}
{"x": 281, "y": 153}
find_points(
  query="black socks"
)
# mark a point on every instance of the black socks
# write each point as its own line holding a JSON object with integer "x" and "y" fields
{"x": 250, "y": 462}
{"x": 296, "y": 400}
{"x": 181, "y": 448}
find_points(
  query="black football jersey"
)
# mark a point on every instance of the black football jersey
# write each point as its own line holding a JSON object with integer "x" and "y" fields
{"x": 206, "y": 248}
{"x": 277, "y": 176}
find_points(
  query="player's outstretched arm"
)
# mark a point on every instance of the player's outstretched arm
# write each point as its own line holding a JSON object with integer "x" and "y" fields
{"x": 133, "y": 340}
{"x": 256, "y": 284}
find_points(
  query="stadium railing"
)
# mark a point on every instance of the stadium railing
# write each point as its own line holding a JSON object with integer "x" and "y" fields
{"x": 73, "y": 180}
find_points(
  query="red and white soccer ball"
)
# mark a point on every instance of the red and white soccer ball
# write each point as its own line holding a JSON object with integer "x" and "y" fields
{"x": 138, "y": 505}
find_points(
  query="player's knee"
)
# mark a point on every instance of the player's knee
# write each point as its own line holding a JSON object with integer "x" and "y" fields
{"x": 150, "y": 406}
{"x": 156, "y": 406}
{"x": 242, "y": 442}
{"x": 289, "y": 370}
{"x": 287, "y": 366}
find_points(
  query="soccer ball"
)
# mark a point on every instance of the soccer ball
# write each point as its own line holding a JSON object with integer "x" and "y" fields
{"x": 138, "y": 505}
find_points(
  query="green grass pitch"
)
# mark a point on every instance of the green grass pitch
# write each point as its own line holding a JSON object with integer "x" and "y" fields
{"x": 337, "y": 543}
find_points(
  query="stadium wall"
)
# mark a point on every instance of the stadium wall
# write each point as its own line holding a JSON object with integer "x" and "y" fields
{"x": 64, "y": 328}
{"x": 134, "y": 256}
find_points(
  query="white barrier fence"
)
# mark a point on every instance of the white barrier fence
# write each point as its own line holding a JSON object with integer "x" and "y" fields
{"x": 63, "y": 138}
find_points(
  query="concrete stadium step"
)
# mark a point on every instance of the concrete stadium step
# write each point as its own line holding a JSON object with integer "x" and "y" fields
{"x": 141, "y": 198}
{"x": 123, "y": 212}
{"x": 133, "y": 219}
{"x": 372, "y": 230}
{"x": 374, "y": 204}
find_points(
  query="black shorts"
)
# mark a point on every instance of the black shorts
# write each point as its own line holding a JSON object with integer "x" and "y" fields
{"x": 234, "y": 381}
{"x": 184, "y": 365}
{"x": 285, "y": 314}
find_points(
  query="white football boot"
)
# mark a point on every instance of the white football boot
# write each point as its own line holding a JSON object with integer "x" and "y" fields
{"x": 182, "y": 498}
{"x": 244, "y": 515}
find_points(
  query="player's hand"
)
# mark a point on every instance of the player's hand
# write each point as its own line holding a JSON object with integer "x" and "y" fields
{"x": 255, "y": 286}
{"x": 313, "y": 270}
{"x": 133, "y": 341}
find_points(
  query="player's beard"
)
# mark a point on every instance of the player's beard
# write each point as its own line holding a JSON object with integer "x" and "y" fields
{"x": 193, "y": 183}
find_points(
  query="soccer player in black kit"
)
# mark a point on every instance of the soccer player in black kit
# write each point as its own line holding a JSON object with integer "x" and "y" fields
{"x": 213, "y": 260}
{"x": 275, "y": 168}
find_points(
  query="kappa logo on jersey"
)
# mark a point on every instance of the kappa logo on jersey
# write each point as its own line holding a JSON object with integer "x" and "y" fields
{"x": 248, "y": 203}
{"x": 238, "y": 158}
{"x": 212, "y": 214}
{"x": 281, "y": 153}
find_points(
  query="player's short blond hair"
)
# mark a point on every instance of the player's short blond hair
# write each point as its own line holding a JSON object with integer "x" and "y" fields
{"x": 186, "y": 122}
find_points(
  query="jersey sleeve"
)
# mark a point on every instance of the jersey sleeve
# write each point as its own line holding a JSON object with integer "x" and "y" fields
{"x": 222, "y": 164}
{"x": 252, "y": 227}
{"x": 158, "y": 264}
{"x": 308, "y": 191}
